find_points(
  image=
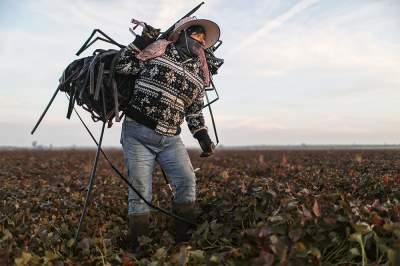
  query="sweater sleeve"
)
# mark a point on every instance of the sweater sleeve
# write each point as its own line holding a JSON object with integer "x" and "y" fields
{"x": 194, "y": 115}
{"x": 127, "y": 63}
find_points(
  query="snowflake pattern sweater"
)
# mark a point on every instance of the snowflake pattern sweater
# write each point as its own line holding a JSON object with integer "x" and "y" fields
{"x": 168, "y": 89}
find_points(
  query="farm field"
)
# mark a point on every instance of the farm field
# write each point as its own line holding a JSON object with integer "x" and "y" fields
{"x": 271, "y": 207}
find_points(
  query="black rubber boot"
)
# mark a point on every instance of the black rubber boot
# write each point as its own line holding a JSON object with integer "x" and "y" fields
{"x": 138, "y": 226}
{"x": 183, "y": 231}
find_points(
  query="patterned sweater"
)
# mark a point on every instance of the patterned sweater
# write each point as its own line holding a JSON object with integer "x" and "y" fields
{"x": 167, "y": 91}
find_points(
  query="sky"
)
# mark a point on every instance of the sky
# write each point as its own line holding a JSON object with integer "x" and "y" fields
{"x": 295, "y": 72}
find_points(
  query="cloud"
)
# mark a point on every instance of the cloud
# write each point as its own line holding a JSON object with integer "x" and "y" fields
{"x": 269, "y": 26}
{"x": 308, "y": 71}
{"x": 324, "y": 46}
{"x": 267, "y": 72}
{"x": 169, "y": 12}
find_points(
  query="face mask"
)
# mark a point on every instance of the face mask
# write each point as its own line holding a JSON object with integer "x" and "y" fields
{"x": 187, "y": 46}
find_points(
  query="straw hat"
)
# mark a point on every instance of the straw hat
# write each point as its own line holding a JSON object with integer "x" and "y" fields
{"x": 211, "y": 28}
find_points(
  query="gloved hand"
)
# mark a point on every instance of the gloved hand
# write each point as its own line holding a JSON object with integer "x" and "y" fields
{"x": 205, "y": 142}
{"x": 149, "y": 35}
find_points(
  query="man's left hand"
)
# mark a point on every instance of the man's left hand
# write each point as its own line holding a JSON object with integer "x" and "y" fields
{"x": 150, "y": 34}
{"x": 205, "y": 142}
{"x": 208, "y": 150}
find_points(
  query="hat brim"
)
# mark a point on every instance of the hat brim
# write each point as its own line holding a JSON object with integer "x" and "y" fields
{"x": 211, "y": 28}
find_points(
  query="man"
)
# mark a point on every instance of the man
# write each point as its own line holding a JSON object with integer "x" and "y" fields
{"x": 171, "y": 77}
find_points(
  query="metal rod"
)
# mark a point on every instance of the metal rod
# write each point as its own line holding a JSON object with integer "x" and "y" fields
{"x": 215, "y": 47}
{"x": 212, "y": 88}
{"x": 45, "y": 110}
{"x": 170, "y": 29}
{"x": 110, "y": 40}
{"x": 209, "y": 103}
{"x": 62, "y": 83}
{"x": 91, "y": 182}
{"x": 212, "y": 120}
{"x": 85, "y": 43}
{"x": 101, "y": 39}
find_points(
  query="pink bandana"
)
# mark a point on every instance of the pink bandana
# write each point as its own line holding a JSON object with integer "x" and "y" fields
{"x": 158, "y": 48}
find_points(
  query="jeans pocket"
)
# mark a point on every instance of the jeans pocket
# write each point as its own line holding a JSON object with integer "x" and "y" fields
{"x": 141, "y": 133}
{"x": 131, "y": 126}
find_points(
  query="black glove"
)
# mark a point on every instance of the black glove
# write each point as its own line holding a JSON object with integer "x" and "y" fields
{"x": 148, "y": 36}
{"x": 205, "y": 142}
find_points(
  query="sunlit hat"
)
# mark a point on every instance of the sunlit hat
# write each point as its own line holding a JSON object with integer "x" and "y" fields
{"x": 211, "y": 28}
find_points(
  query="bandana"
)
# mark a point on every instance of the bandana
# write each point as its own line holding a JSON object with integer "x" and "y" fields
{"x": 158, "y": 48}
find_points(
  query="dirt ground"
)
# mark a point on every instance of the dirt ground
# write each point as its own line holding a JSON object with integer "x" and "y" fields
{"x": 254, "y": 208}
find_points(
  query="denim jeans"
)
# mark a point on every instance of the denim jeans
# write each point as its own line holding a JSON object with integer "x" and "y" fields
{"x": 142, "y": 147}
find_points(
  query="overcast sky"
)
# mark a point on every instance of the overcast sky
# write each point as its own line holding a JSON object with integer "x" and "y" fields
{"x": 315, "y": 72}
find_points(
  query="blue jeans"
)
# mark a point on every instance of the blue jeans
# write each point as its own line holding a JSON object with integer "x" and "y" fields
{"x": 142, "y": 147}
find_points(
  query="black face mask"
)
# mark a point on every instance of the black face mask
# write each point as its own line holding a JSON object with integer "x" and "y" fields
{"x": 187, "y": 46}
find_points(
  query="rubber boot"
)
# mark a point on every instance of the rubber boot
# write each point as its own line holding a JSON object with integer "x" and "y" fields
{"x": 138, "y": 226}
{"x": 183, "y": 231}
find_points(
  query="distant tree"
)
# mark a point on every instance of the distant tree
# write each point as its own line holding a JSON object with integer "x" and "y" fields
{"x": 34, "y": 144}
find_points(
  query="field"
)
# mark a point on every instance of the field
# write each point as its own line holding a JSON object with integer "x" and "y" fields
{"x": 255, "y": 208}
